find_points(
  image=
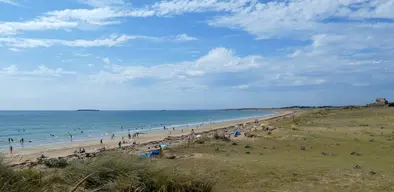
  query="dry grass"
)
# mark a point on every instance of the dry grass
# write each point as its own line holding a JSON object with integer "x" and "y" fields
{"x": 270, "y": 163}
{"x": 277, "y": 163}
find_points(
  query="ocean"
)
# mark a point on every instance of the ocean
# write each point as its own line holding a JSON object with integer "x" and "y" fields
{"x": 39, "y": 128}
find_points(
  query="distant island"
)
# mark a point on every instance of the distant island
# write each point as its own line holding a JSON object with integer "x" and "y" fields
{"x": 88, "y": 110}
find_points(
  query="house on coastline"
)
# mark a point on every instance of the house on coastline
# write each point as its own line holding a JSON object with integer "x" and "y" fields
{"x": 381, "y": 102}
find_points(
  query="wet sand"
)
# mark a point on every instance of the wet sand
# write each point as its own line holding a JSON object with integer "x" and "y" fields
{"x": 65, "y": 149}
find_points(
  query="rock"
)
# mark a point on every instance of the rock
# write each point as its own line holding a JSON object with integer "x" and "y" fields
{"x": 303, "y": 148}
{"x": 170, "y": 157}
{"x": 371, "y": 140}
{"x": 355, "y": 153}
{"x": 372, "y": 172}
{"x": 234, "y": 143}
{"x": 247, "y": 152}
{"x": 324, "y": 153}
{"x": 247, "y": 146}
{"x": 356, "y": 166}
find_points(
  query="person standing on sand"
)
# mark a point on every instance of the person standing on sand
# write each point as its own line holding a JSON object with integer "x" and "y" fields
{"x": 113, "y": 136}
{"x": 120, "y": 144}
{"x": 173, "y": 128}
{"x": 101, "y": 141}
{"x": 129, "y": 136}
{"x": 71, "y": 136}
{"x": 22, "y": 142}
{"x": 11, "y": 149}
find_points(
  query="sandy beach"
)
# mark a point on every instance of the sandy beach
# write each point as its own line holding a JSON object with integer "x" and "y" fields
{"x": 62, "y": 150}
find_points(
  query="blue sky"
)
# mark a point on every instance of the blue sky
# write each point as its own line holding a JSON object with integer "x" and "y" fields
{"x": 194, "y": 54}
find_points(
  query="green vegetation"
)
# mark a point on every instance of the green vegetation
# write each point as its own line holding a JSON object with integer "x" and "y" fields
{"x": 321, "y": 150}
{"x": 111, "y": 172}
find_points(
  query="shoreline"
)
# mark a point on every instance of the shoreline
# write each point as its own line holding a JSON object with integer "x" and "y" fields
{"x": 24, "y": 155}
{"x": 107, "y": 134}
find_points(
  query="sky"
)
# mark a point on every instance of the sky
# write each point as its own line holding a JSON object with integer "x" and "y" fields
{"x": 194, "y": 54}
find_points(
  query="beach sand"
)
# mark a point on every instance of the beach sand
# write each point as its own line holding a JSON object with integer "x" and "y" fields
{"x": 63, "y": 150}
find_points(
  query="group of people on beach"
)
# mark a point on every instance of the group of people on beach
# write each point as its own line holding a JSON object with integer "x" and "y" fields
{"x": 21, "y": 141}
{"x": 130, "y": 136}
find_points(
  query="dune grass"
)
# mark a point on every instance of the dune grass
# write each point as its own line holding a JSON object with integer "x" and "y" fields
{"x": 321, "y": 150}
{"x": 110, "y": 172}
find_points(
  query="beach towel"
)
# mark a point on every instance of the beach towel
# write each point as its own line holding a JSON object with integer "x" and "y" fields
{"x": 236, "y": 133}
{"x": 154, "y": 153}
{"x": 143, "y": 155}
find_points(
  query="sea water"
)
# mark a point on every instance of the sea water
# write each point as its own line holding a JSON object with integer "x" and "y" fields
{"x": 39, "y": 128}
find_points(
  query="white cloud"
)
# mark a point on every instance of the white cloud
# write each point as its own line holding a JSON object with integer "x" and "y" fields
{"x": 71, "y": 19}
{"x": 106, "y": 12}
{"x": 90, "y": 65}
{"x": 185, "y": 37}
{"x": 45, "y": 71}
{"x": 240, "y": 87}
{"x": 10, "y": 70}
{"x": 97, "y": 16}
{"x": 38, "y": 24}
{"x": 111, "y": 41}
{"x": 106, "y": 60}
{"x": 174, "y": 7}
{"x": 218, "y": 60}
{"x": 42, "y": 70}
{"x": 82, "y": 54}
{"x": 14, "y": 49}
{"x": 103, "y": 3}
{"x": 300, "y": 17}
{"x": 12, "y": 2}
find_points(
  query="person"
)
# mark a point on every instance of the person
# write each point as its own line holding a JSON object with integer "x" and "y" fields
{"x": 101, "y": 141}
{"x": 22, "y": 142}
{"x": 173, "y": 128}
{"x": 71, "y": 137}
{"x": 120, "y": 144}
{"x": 182, "y": 130}
{"x": 113, "y": 136}
{"x": 129, "y": 136}
{"x": 9, "y": 140}
{"x": 161, "y": 151}
{"x": 11, "y": 149}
